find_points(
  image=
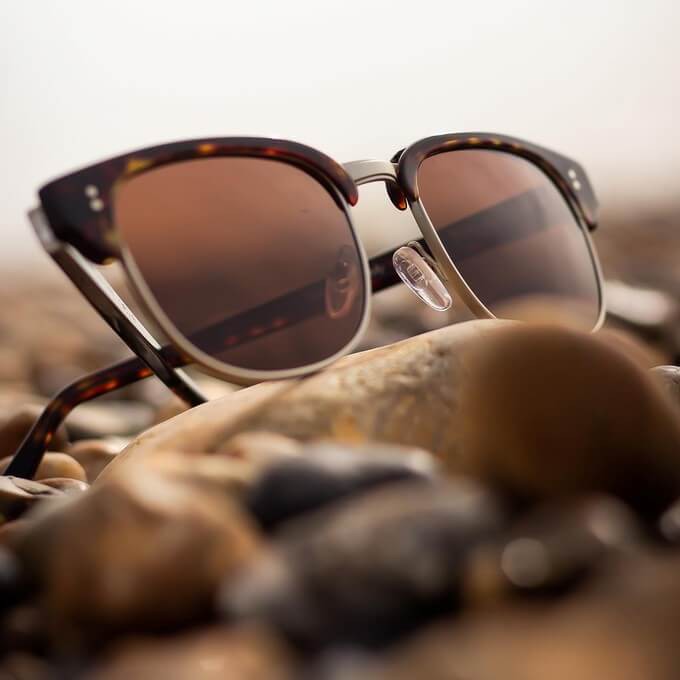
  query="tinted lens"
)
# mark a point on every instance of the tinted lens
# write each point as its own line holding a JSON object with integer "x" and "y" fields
{"x": 510, "y": 233}
{"x": 250, "y": 259}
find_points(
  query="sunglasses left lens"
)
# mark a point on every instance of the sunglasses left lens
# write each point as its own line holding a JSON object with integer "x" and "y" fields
{"x": 250, "y": 260}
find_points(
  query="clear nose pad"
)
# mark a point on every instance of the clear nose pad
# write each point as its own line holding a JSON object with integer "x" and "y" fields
{"x": 415, "y": 271}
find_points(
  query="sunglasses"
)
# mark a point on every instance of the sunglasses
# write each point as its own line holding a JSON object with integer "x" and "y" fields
{"x": 243, "y": 252}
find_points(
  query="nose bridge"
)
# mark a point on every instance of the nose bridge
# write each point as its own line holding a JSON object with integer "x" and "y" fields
{"x": 367, "y": 171}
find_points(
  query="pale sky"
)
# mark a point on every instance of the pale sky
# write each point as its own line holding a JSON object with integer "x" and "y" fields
{"x": 83, "y": 80}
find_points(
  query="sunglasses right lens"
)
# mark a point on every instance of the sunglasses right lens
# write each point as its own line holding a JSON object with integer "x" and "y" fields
{"x": 511, "y": 234}
{"x": 251, "y": 260}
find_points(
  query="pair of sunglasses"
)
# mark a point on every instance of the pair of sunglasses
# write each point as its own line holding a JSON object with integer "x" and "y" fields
{"x": 243, "y": 252}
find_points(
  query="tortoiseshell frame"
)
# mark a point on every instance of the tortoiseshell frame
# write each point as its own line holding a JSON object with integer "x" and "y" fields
{"x": 76, "y": 222}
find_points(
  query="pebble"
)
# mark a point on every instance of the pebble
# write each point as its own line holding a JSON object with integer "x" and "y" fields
{"x": 245, "y": 653}
{"x": 14, "y": 426}
{"x": 368, "y": 545}
{"x": 547, "y": 412}
{"x": 94, "y": 455}
{"x": 552, "y": 548}
{"x": 623, "y": 626}
{"x": 134, "y": 553}
{"x": 366, "y": 570}
{"x": 66, "y": 484}
{"x": 18, "y": 495}
{"x": 55, "y": 464}
{"x": 323, "y": 473}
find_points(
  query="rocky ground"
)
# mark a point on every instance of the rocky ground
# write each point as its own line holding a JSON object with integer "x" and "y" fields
{"x": 483, "y": 501}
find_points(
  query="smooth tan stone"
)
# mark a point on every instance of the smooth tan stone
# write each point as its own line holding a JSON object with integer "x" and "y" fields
{"x": 547, "y": 412}
{"x": 405, "y": 393}
{"x": 94, "y": 455}
{"x": 53, "y": 465}
{"x": 133, "y": 553}
{"x": 15, "y": 424}
{"x": 536, "y": 410}
{"x": 66, "y": 484}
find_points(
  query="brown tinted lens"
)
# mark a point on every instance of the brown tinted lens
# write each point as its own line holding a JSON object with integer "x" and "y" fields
{"x": 251, "y": 259}
{"x": 510, "y": 233}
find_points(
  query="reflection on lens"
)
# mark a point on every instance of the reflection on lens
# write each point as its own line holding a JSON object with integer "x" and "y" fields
{"x": 238, "y": 253}
{"x": 511, "y": 235}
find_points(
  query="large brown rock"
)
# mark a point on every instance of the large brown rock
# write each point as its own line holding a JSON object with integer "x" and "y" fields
{"x": 547, "y": 412}
{"x": 137, "y": 553}
{"x": 405, "y": 393}
{"x": 537, "y": 411}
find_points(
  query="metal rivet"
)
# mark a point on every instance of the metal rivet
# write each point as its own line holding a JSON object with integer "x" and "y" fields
{"x": 572, "y": 173}
{"x": 577, "y": 185}
{"x": 91, "y": 191}
{"x": 97, "y": 204}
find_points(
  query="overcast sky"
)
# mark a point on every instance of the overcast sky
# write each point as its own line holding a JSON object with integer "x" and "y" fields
{"x": 83, "y": 80}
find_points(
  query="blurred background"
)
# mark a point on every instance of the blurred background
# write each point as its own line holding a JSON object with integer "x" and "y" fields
{"x": 595, "y": 79}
